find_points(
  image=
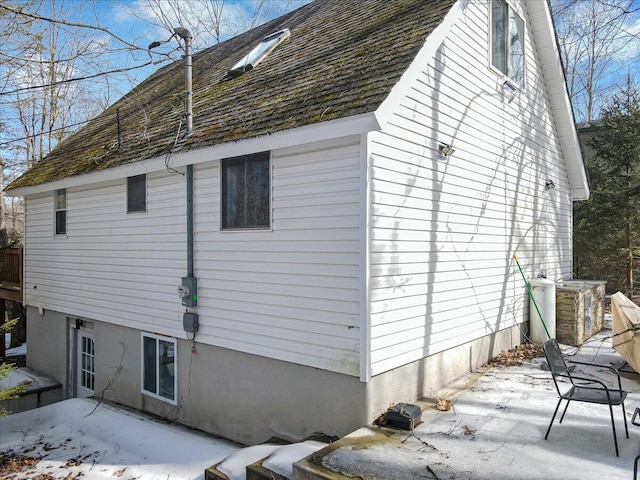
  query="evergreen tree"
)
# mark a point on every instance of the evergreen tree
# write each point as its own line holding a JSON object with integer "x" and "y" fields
{"x": 14, "y": 391}
{"x": 607, "y": 226}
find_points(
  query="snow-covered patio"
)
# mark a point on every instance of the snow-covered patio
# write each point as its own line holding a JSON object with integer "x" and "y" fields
{"x": 81, "y": 438}
{"x": 495, "y": 430}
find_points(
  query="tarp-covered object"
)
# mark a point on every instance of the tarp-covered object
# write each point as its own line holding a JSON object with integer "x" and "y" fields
{"x": 626, "y": 329}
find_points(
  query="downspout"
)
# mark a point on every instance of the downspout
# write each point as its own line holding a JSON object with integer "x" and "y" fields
{"x": 189, "y": 288}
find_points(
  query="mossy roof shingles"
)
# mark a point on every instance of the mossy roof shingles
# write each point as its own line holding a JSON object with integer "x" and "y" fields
{"x": 342, "y": 59}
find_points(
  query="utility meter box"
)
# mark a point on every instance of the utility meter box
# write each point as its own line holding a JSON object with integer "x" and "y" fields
{"x": 190, "y": 322}
{"x": 188, "y": 291}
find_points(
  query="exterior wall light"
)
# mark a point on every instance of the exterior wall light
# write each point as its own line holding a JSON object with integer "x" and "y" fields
{"x": 549, "y": 185}
{"x": 446, "y": 150}
{"x": 509, "y": 90}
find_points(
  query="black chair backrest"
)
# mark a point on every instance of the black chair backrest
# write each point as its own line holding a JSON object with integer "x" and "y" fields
{"x": 554, "y": 357}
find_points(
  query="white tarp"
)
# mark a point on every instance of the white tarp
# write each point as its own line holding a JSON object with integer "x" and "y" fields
{"x": 626, "y": 329}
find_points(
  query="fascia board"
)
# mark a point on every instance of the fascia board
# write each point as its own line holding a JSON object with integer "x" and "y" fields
{"x": 544, "y": 34}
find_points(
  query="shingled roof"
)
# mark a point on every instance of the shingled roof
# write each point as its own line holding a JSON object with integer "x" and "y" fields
{"x": 342, "y": 59}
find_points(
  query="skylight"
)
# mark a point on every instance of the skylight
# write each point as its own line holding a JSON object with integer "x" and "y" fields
{"x": 260, "y": 51}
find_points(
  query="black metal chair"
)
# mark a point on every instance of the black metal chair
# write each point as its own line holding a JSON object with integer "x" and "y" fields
{"x": 582, "y": 388}
{"x": 635, "y": 462}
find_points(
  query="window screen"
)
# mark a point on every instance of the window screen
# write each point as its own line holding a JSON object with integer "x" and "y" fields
{"x": 137, "y": 194}
{"x": 246, "y": 192}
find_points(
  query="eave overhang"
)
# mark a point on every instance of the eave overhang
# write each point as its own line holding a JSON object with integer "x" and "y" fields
{"x": 545, "y": 38}
{"x": 338, "y": 128}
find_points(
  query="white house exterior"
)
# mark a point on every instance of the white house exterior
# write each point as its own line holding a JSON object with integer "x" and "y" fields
{"x": 385, "y": 269}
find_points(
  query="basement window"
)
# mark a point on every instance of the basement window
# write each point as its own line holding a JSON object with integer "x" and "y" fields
{"x": 507, "y": 41}
{"x": 260, "y": 52}
{"x": 159, "y": 367}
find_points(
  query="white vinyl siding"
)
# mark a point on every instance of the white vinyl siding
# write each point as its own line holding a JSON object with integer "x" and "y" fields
{"x": 444, "y": 230}
{"x": 291, "y": 293}
{"x": 112, "y": 267}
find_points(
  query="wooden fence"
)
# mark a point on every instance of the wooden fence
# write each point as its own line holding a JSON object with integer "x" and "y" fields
{"x": 11, "y": 274}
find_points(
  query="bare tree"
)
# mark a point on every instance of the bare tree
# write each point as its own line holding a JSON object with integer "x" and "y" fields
{"x": 40, "y": 58}
{"x": 596, "y": 42}
{"x": 209, "y": 21}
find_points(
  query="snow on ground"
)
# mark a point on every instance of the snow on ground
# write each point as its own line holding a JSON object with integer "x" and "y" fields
{"x": 80, "y": 438}
{"x": 282, "y": 460}
{"x": 14, "y": 352}
{"x": 235, "y": 466}
{"x": 14, "y": 378}
{"x": 35, "y": 380}
{"x": 496, "y": 431}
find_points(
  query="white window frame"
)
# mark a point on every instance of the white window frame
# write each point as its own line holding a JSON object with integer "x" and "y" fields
{"x": 260, "y": 52}
{"x": 86, "y": 364}
{"x": 507, "y": 54}
{"x": 57, "y": 208}
{"x": 156, "y": 394}
{"x": 144, "y": 210}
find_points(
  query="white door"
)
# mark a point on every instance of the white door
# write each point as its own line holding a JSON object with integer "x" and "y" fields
{"x": 86, "y": 364}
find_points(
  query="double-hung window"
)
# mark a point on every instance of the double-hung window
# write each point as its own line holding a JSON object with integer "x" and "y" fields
{"x": 246, "y": 192}
{"x": 61, "y": 211}
{"x": 507, "y": 41}
{"x": 137, "y": 194}
{"x": 159, "y": 367}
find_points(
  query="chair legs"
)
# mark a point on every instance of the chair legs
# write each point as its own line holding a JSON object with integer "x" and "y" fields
{"x": 565, "y": 411}
{"x": 613, "y": 425}
{"x": 554, "y": 417}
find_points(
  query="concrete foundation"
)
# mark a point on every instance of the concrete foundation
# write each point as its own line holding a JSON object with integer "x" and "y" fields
{"x": 244, "y": 397}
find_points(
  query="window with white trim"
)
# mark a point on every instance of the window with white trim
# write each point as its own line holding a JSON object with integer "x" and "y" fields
{"x": 246, "y": 192}
{"x": 159, "y": 367}
{"x": 61, "y": 211}
{"x": 507, "y": 41}
{"x": 137, "y": 194}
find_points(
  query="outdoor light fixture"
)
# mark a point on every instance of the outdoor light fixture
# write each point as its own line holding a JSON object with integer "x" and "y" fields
{"x": 549, "y": 185}
{"x": 509, "y": 90}
{"x": 446, "y": 150}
